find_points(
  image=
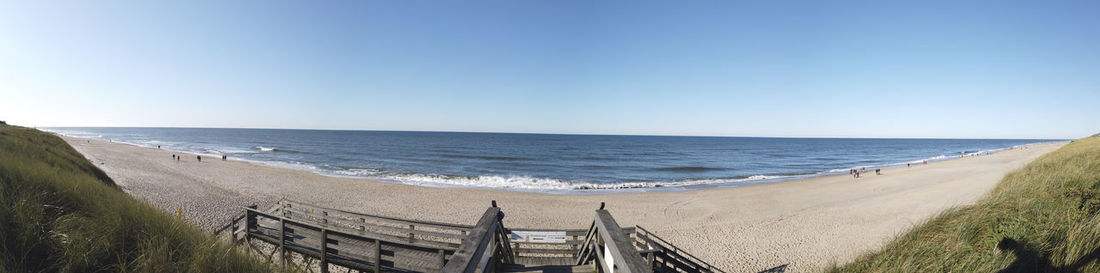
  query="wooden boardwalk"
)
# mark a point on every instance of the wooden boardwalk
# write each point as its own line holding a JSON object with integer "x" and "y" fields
{"x": 363, "y": 242}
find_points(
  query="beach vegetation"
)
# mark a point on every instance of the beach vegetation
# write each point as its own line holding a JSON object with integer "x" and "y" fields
{"x": 60, "y": 213}
{"x": 1044, "y": 217}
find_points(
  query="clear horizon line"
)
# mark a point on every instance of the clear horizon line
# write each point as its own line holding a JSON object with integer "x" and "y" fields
{"x": 544, "y": 133}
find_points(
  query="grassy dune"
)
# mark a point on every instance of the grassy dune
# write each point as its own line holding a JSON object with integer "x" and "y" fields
{"x": 1044, "y": 217}
{"x": 59, "y": 213}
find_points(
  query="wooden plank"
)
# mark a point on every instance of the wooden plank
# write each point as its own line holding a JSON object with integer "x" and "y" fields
{"x": 468, "y": 253}
{"x": 570, "y": 232}
{"x": 558, "y": 251}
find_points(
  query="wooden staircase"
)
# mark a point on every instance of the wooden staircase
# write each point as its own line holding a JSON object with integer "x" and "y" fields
{"x": 307, "y": 233}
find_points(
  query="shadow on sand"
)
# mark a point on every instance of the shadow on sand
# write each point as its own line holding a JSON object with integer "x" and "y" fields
{"x": 777, "y": 269}
{"x": 1030, "y": 260}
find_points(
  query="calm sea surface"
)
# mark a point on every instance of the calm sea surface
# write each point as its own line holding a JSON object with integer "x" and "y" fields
{"x": 554, "y": 163}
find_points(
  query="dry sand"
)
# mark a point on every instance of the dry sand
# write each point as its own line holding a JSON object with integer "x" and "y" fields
{"x": 801, "y": 225}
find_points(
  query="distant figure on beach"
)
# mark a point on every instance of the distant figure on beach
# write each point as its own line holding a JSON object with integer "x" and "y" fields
{"x": 907, "y": 165}
{"x": 173, "y": 156}
{"x": 199, "y": 157}
{"x": 878, "y": 171}
{"x": 223, "y": 157}
{"x": 926, "y": 162}
{"x": 158, "y": 146}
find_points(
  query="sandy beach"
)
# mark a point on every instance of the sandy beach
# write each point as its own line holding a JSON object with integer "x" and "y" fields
{"x": 798, "y": 225}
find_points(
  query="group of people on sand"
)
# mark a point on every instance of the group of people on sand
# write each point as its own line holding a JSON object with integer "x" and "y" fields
{"x": 855, "y": 172}
{"x": 198, "y": 157}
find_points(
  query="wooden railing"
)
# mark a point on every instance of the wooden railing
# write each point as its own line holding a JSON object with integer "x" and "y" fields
{"x": 610, "y": 248}
{"x": 486, "y": 247}
{"x": 373, "y": 243}
{"x": 444, "y": 235}
{"x": 232, "y": 226}
{"x": 665, "y": 257}
{"x": 359, "y": 250}
{"x": 551, "y": 253}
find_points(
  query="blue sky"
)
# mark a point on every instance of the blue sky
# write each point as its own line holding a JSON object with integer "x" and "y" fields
{"x": 970, "y": 69}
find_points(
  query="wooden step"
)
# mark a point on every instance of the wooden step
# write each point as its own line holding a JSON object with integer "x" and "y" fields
{"x": 536, "y": 261}
{"x": 549, "y": 268}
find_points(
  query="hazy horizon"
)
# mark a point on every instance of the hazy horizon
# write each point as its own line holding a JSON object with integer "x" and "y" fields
{"x": 978, "y": 70}
{"x": 521, "y": 133}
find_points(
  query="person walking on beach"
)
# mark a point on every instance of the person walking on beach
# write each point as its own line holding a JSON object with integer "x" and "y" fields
{"x": 199, "y": 157}
{"x": 223, "y": 157}
{"x": 878, "y": 171}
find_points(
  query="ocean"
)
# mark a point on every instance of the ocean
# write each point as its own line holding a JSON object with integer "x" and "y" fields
{"x": 548, "y": 162}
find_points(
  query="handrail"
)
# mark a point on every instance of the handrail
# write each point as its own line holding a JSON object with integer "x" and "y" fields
{"x": 387, "y": 218}
{"x": 664, "y": 243}
{"x": 625, "y": 258}
{"x": 230, "y": 224}
{"x": 611, "y": 248}
{"x": 484, "y": 247}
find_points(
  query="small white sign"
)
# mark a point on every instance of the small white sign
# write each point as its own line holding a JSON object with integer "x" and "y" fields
{"x": 556, "y": 237}
{"x": 609, "y": 260}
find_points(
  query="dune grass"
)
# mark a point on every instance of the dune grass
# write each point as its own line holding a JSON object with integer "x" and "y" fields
{"x": 1044, "y": 217}
{"x": 60, "y": 213}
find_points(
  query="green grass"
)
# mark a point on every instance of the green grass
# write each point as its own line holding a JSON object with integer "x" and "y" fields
{"x": 59, "y": 213}
{"x": 1044, "y": 217}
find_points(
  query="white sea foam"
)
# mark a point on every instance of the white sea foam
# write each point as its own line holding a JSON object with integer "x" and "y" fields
{"x": 265, "y": 149}
{"x": 531, "y": 183}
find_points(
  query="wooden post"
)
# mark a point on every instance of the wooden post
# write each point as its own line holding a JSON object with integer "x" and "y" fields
{"x": 411, "y": 235}
{"x": 324, "y": 250}
{"x": 377, "y": 256}
{"x": 249, "y": 222}
{"x": 282, "y": 241}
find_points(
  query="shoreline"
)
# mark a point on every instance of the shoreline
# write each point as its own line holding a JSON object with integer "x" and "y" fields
{"x": 802, "y": 224}
{"x": 588, "y": 188}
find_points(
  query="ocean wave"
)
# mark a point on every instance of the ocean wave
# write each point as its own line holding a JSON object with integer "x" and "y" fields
{"x": 518, "y": 182}
{"x": 275, "y": 149}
